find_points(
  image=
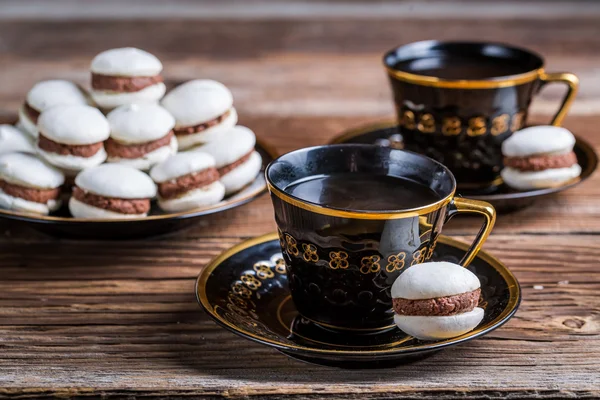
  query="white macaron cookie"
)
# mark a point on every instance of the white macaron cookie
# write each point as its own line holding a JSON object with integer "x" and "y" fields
{"x": 15, "y": 140}
{"x": 72, "y": 137}
{"x": 46, "y": 94}
{"x": 28, "y": 184}
{"x": 437, "y": 300}
{"x": 187, "y": 181}
{"x": 141, "y": 135}
{"x": 539, "y": 157}
{"x": 124, "y": 76}
{"x": 236, "y": 160}
{"x": 112, "y": 191}
{"x": 203, "y": 109}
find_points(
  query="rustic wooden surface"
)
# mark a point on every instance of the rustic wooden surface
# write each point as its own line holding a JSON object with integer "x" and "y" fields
{"x": 120, "y": 318}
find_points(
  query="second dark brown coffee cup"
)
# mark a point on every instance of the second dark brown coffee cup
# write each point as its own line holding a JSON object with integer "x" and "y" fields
{"x": 458, "y": 101}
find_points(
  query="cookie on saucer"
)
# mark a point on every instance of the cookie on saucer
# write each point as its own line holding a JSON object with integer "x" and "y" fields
{"x": 203, "y": 110}
{"x": 28, "y": 184}
{"x": 72, "y": 137}
{"x": 236, "y": 159}
{"x": 539, "y": 157}
{"x": 111, "y": 191}
{"x": 187, "y": 181}
{"x": 141, "y": 135}
{"x": 124, "y": 76}
{"x": 46, "y": 94}
{"x": 437, "y": 300}
{"x": 14, "y": 140}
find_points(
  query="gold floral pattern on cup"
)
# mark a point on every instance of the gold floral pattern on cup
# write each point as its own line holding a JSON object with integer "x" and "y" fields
{"x": 451, "y": 126}
{"x": 500, "y": 124}
{"x": 291, "y": 245}
{"x": 310, "y": 253}
{"x": 338, "y": 260}
{"x": 370, "y": 264}
{"x": 408, "y": 119}
{"x": 396, "y": 262}
{"x": 426, "y": 123}
{"x": 476, "y": 127}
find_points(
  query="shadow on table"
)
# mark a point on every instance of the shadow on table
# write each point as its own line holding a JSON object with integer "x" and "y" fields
{"x": 221, "y": 354}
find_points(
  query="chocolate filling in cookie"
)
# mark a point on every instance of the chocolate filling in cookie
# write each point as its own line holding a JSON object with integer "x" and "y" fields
{"x": 30, "y": 194}
{"x": 123, "y": 83}
{"x": 541, "y": 162}
{"x": 137, "y": 150}
{"x": 177, "y": 187}
{"x": 188, "y": 130}
{"x": 227, "y": 168}
{"x": 31, "y": 112}
{"x": 440, "y": 306}
{"x": 123, "y": 206}
{"x": 79, "y": 150}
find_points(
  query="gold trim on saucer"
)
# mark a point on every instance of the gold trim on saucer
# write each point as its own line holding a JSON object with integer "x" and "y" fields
{"x": 333, "y": 212}
{"x": 494, "y": 83}
{"x": 201, "y": 283}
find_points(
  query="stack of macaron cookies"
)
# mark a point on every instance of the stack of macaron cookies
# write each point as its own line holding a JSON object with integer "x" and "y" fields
{"x": 100, "y": 148}
{"x": 539, "y": 157}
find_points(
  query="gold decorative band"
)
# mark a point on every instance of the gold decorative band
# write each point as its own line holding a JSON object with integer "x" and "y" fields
{"x": 323, "y": 210}
{"x": 494, "y": 83}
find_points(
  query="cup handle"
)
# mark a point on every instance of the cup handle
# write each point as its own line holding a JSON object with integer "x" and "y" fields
{"x": 572, "y": 83}
{"x": 467, "y": 206}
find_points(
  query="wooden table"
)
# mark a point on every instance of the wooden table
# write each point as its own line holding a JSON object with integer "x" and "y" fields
{"x": 120, "y": 318}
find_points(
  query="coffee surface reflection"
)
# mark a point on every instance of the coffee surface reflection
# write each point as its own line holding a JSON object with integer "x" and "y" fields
{"x": 362, "y": 192}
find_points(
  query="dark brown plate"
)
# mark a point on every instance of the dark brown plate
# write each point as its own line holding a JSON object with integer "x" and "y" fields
{"x": 245, "y": 290}
{"x": 502, "y": 197}
{"x": 61, "y": 224}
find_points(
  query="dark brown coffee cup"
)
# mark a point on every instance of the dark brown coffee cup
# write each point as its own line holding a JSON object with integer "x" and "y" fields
{"x": 341, "y": 263}
{"x": 457, "y": 102}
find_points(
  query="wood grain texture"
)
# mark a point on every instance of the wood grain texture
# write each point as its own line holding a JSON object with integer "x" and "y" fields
{"x": 119, "y": 319}
{"x": 128, "y": 319}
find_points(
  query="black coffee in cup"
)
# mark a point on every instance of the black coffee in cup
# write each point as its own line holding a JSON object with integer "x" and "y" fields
{"x": 360, "y": 191}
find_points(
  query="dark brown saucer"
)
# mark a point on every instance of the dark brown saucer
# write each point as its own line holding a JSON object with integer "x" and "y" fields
{"x": 62, "y": 224}
{"x": 502, "y": 197}
{"x": 245, "y": 290}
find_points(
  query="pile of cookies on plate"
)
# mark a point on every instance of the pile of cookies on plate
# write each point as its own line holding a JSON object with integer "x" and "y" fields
{"x": 122, "y": 144}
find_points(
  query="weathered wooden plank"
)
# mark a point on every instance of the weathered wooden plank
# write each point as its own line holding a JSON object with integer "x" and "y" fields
{"x": 73, "y": 331}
